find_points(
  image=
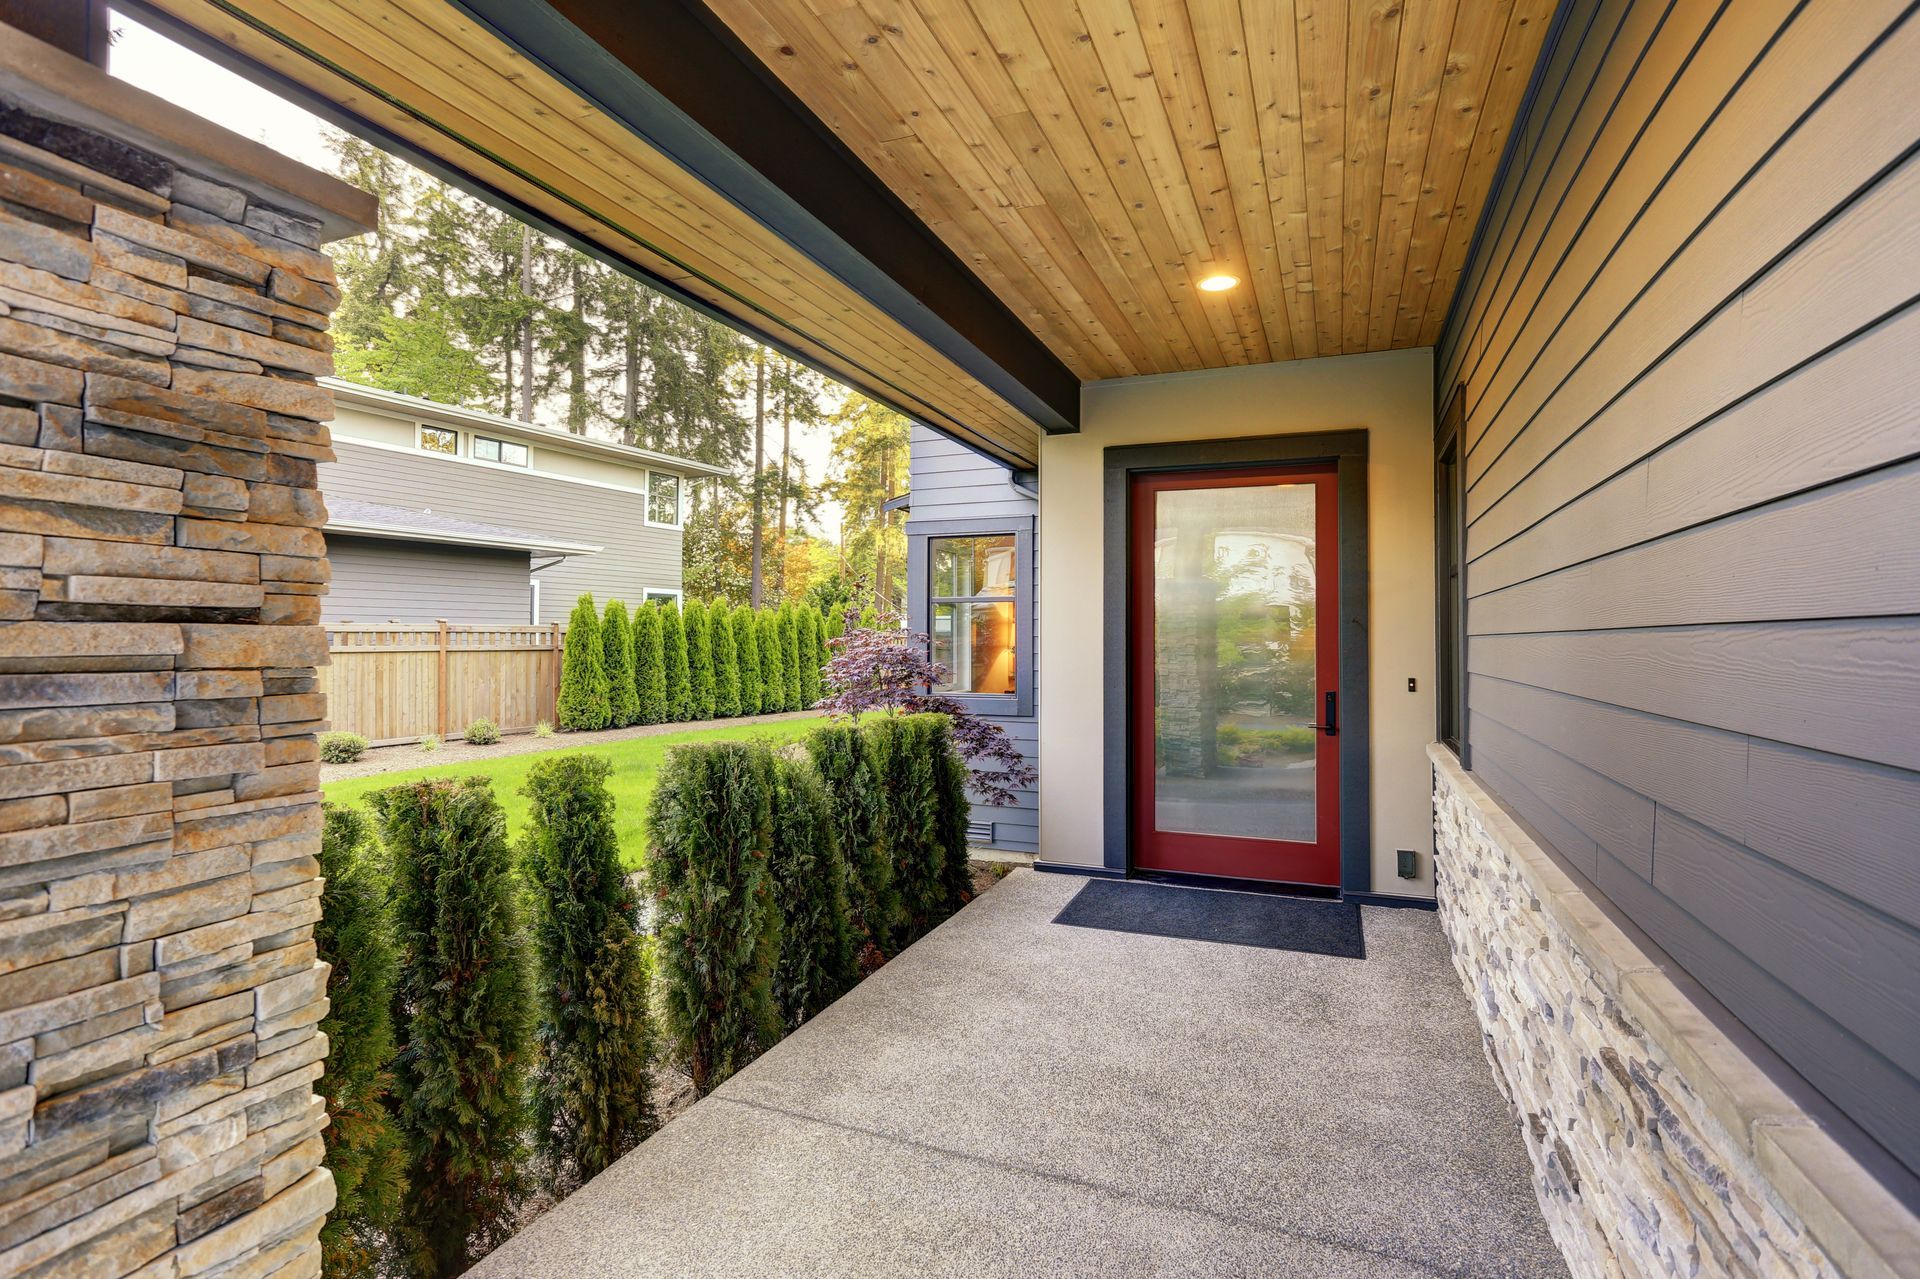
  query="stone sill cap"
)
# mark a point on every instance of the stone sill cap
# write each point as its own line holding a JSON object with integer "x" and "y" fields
{"x": 63, "y": 87}
{"x": 1863, "y": 1227}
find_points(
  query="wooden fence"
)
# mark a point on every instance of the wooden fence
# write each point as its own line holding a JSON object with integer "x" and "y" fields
{"x": 398, "y": 681}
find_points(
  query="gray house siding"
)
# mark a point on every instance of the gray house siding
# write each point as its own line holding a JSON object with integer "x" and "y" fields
{"x": 1685, "y": 345}
{"x": 634, "y": 558}
{"x": 375, "y": 580}
{"x": 952, "y": 482}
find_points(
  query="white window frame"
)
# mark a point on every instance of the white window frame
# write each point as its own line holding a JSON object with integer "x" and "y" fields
{"x": 419, "y": 437}
{"x": 678, "y": 596}
{"x": 679, "y": 500}
{"x": 473, "y": 450}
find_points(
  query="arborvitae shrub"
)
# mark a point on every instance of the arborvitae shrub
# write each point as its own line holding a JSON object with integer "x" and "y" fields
{"x": 464, "y": 990}
{"x": 673, "y": 642}
{"x": 699, "y": 661}
{"x": 717, "y": 928}
{"x": 869, "y": 618}
{"x": 810, "y": 876}
{"x": 746, "y": 651}
{"x": 649, "y": 665}
{"x": 824, "y": 651}
{"x": 590, "y": 1084}
{"x": 811, "y": 658}
{"x": 364, "y": 1149}
{"x": 836, "y": 627}
{"x": 583, "y": 704}
{"x": 790, "y": 654}
{"x": 726, "y": 661}
{"x": 616, "y": 647}
{"x": 773, "y": 662}
{"x": 843, "y": 759}
{"x": 912, "y": 761}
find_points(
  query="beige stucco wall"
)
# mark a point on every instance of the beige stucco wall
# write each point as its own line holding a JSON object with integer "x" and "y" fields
{"x": 1390, "y": 394}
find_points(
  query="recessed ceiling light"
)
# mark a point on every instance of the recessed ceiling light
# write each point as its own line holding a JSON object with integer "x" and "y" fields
{"x": 1218, "y": 283}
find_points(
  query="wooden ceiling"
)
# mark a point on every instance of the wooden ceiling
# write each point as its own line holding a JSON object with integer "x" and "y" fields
{"x": 1092, "y": 159}
{"x": 426, "y": 74}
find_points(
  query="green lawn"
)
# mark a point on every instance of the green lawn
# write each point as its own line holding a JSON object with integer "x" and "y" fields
{"x": 636, "y": 765}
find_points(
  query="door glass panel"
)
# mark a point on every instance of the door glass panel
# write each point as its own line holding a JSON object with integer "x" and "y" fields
{"x": 1234, "y": 675}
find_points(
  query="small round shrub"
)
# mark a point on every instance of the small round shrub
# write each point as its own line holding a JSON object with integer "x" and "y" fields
{"x": 431, "y": 742}
{"x": 342, "y": 748}
{"x": 482, "y": 732}
{"x": 543, "y": 729}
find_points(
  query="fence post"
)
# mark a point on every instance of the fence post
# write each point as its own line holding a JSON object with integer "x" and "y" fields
{"x": 440, "y": 679}
{"x": 558, "y": 655}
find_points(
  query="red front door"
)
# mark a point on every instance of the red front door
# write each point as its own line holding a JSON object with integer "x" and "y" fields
{"x": 1235, "y": 702}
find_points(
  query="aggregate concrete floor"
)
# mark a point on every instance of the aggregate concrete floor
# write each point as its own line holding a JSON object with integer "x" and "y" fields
{"x": 1012, "y": 1097}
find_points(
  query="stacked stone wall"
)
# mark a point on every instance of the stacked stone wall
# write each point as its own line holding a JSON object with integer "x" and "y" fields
{"x": 161, "y": 564}
{"x": 1660, "y": 1149}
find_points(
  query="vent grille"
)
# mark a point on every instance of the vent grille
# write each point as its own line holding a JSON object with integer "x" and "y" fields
{"x": 980, "y": 832}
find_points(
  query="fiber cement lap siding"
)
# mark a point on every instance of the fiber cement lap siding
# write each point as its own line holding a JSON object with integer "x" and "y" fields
{"x": 952, "y": 482}
{"x": 1686, "y": 342}
{"x": 381, "y": 581}
{"x": 634, "y": 557}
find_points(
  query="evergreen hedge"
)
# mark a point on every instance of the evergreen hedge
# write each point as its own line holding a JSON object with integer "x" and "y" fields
{"x": 773, "y": 662}
{"x": 816, "y": 964}
{"x": 700, "y": 689}
{"x": 583, "y": 704}
{"x": 590, "y": 1086}
{"x": 616, "y": 647}
{"x": 649, "y": 665}
{"x": 790, "y": 654}
{"x": 364, "y": 1149}
{"x": 922, "y": 817}
{"x": 673, "y": 642}
{"x": 717, "y": 926}
{"x": 462, "y": 1000}
{"x": 726, "y": 661}
{"x": 844, "y": 761}
{"x": 746, "y": 648}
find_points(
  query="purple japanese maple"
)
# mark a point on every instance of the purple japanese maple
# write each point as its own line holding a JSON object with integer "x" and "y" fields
{"x": 880, "y": 669}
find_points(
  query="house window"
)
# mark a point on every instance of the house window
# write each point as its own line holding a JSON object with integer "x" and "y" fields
{"x": 440, "y": 439}
{"x": 1450, "y": 543}
{"x": 663, "y": 499}
{"x": 488, "y": 449}
{"x": 661, "y": 595}
{"x": 972, "y": 618}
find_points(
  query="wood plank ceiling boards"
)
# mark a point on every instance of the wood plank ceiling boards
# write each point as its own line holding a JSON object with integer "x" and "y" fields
{"x": 1082, "y": 163}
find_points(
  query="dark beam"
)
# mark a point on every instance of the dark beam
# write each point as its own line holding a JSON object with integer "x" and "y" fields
{"x": 669, "y": 71}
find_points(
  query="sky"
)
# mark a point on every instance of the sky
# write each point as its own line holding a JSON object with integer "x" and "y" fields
{"x": 143, "y": 57}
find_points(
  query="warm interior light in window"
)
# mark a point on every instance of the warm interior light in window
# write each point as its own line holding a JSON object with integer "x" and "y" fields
{"x": 1218, "y": 283}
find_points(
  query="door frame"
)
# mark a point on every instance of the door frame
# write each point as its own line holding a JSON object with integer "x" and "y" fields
{"x": 1346, "y": 453}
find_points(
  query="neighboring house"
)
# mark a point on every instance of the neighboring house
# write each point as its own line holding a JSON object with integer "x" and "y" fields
{"x": 437, "y": 512}
{"x": 972, "y": 566}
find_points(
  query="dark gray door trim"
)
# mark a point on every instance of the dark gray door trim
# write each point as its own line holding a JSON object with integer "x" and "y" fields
{"x": 919, "y": 609}
{"x": 1347, "y": 451}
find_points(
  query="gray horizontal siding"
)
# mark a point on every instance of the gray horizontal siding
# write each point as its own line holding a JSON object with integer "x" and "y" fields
{"x": 1684, "y": 350}
{"x": 635, "y": 557}
{"x": 375, "y": 580}
{"x": 952, "y": 482}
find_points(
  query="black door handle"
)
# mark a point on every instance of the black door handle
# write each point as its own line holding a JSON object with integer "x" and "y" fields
{"x": 1332, "y": 727}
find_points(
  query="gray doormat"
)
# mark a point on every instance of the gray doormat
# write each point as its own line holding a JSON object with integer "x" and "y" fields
{"x": 1312, "y": 926}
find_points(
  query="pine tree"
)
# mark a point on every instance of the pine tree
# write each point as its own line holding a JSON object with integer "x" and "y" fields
{"x": 460, "y": 1077}
{"x": 726, "y": 660}
{"x": 364, "y": 1149}
{"x": 673, "y": 642}
{"x": 773, "y": 662}
{"x": 584, "y": 703}
{"x": 650, "y": 665}
{"x": 590, "y": 1088}
{"x": 810, "y": 874}
{"x": 699, "y": 660}
{"x": 709, "y": 832}
{"x": 746, "y": 645}
{"x": 790, "y": 651}
{"x": 616, "y": 647}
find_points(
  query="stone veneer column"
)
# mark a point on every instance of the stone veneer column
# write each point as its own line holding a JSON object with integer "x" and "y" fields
{"x": 1660, "y": 1149}
{"x": 161, "y": 563}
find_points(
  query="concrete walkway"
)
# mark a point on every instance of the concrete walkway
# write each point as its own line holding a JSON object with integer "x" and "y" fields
{"x": 1015, "y": 1097}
